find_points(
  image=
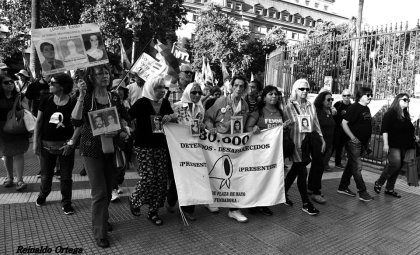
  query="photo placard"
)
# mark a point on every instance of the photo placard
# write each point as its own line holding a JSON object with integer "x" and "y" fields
{"x": 236, "y": 125}
{"x": 104, "y": 121}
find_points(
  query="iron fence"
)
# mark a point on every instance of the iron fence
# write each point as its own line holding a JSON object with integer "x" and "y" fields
{"x": 386, "y": 59}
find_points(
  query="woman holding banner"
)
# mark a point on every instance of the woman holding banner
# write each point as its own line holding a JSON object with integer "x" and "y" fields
{"x": 97, "y": 151}
{"x": 187, "y": 110}
{"x": 218, "y": 120}
{"x": 267, "y": 114}
{"x": 151, "y": 149}
{"x": 297, "y": 109}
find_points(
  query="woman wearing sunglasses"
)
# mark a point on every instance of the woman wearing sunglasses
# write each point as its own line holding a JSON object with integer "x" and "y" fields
{"x": 323, "y": 103}
{"x": 297, "y": 107}
{"x": 188, "y": 109}
{"x": 12, "y": 146}
{"x": 398, "y": 134}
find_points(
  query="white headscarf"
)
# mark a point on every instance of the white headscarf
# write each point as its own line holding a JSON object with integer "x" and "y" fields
{"x": 186, "y": 98}
{"x": 149, "y": 86}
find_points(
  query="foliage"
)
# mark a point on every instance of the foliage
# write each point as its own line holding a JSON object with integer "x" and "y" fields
{"x": 219, "y": 37}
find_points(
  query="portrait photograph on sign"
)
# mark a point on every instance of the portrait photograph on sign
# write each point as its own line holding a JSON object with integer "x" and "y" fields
{"x": 104, "y": 121}
{"x": 236, "y": 125}
{"x": 94, "y": 47}
{"x": 50, "y": 56}
{"x": 73, "y": 50}
{"x": 305, "y": 125}
{"x": 195, "y": 127}
{"x": 156, "y": 121}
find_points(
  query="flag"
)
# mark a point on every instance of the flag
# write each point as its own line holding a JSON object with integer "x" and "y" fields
{"x": 209, "y": 73}
{"x": 181, "y": 54}
{"x": 198, "y": 77}
{"x": 125, "y": 62}
{"x": 252, "y": 76}
{"x": 224, "y": 71}
{"x": 170, "y": 60}
{"x": 203, "y": 70}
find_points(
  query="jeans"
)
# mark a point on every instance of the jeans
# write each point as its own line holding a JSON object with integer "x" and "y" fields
{"x": 298, "y": 170}
{"x": 392, "y": 169}
{"x": 353, "y": 167}
{"x": 101, "y": 173}
{"x": 48, "y": 162}
{"x": 339, "y": 142}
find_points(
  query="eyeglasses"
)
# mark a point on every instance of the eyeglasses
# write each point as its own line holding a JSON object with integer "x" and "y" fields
{"x": 407, "y": 100}
{"x": 196, "y": 92}
{"x": 346, "y": 95}
{"x": 303, "y": 89}
{"x": 102, "y": 74}
{"x": 330, "y": 99}
{"x": 8, "y": 82}
{"x": 369, "y": 95}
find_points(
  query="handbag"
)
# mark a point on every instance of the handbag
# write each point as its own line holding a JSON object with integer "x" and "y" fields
{"x": 30, "y": 121}
{"x": 15, "y": 123}
{"x": 119, "y": 158}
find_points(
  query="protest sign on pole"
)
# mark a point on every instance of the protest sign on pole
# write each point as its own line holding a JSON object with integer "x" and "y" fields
{"x": 417, "y": 85}
{"x": 69, "y": 47}
{"x": 328, "y": 80}
{"x": 147, "y": 67}
{"x": 238, "y": 171}
{"x": 181, "y": 54}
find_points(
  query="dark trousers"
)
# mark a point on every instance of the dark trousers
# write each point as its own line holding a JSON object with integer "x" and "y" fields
{"x": 172, "y": 195}
{"x": 101, "y": 173}
{"x": 392, "y": 169}
{"x": 339, "y": 142}
{"x": 48, "y": 162}
{"x": 119, "y": 179}
{"x": 353, "y": 167}
{"x": 318, "y": 164}
{"x": 298, "y": 170}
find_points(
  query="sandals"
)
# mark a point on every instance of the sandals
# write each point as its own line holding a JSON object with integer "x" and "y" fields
{"x": 377, "y": 188}
{"x": 392, "y": 193}
{"x": 134, "y": 211}
{"x": 20, "y": 186}
{"x": 8, "y": 182}
{"x": 155, "y": 219}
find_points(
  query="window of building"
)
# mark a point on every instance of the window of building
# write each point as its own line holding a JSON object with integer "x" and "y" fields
{"x": 272, "y": 14}
{"x": 285, "y": 17}
{"x": 229, "y": 4}
{"x": 205, "y": 1}
{"x": 307, "y": 2}
{"x": 195, "y": 17}
{"x": 257, "y": 29}
{"x": 316, "y": 5}
{"x": 298, "y": 20}
{"x": 297, "y": 1}
{"x": 259, "y": 11}
{"x": 238, "y": 7}
{"x": 197, "y": 1}
{"x": 326, "y": 7}
{"x": 294, "y": 36}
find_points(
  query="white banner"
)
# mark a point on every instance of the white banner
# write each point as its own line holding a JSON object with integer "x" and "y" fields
{"x": 228, "y": 170}
{"x": 147, "y": 67}
{"x": 69, "y": 47}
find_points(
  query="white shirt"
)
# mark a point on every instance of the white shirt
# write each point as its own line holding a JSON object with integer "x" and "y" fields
{"x": 135, "y": 92}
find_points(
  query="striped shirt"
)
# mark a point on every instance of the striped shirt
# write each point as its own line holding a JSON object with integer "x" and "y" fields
{"x": 297, "y": 137}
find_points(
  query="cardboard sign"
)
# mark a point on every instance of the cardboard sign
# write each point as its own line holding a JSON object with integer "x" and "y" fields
{"x": 147, "y": 67}
{"x": 69, "y": 47}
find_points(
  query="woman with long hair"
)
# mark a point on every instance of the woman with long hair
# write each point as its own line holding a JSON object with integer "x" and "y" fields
{"x": 323, "y": 104}
{"x": 12, "y": 146}
{"x": 97, "y": 156}
{"x": 297, "y": 108}
{"x": 268, "y": 114}
{"x": 398, "y": 136}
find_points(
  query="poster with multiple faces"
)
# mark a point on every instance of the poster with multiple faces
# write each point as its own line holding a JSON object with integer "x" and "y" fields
{"x": 69, "y": 47}
{"x": 104, "y": 121}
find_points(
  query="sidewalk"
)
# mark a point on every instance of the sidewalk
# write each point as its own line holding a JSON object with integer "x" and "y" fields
{"x": 344, "y": 226}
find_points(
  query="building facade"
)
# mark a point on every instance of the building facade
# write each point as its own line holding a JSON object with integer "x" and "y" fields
{"x": 259, "y": 16}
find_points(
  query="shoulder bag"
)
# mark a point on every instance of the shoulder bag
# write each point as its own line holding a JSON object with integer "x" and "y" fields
{"x": 15, "y": 123}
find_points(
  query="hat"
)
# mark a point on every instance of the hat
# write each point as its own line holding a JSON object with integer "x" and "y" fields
{"x": 115, "y": 83}
{"x": 185, "y": 68}
{"x": 24, "y": 73}
{"x": 3, "y": 66}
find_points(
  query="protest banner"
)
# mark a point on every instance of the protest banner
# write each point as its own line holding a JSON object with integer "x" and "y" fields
{"x": 147, "y": 67}
{"x": 181, "y": 54}
{"x": 69, "y": 47}
{"x": 237, "y": 171}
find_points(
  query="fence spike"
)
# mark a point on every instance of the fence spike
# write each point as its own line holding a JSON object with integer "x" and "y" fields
{"x": 401, "y": 26}
{"x": 386, "y": 28}
{"x": 396, "y": 26}
{"x": 406, "y": 25}
{"x": 382, "y": 28}
{"x": 390, "y": 27}
{"x": 418, "y": 23}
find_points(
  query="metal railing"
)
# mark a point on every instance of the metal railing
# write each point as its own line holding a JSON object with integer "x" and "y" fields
{"x": 387, "y": 60}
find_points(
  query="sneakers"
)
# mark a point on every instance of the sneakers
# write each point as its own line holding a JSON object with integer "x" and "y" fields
{"x": 365, "y": 197}
{"x": 319, "y": 199}
{"x": 83, "y": 172}
{"x": 40, "y": 201}
{"x": 114, "y": 195}
{"x": 190, "y": 216}
{"x": 68, "y": 209}
{"x": 38, "y": 175}
{"x": 310, "y": 209}
{"x": 20, "y": 186}
{"x": 238, "y": 216}
{"x": 347, "y": 192}
{"x": 170, "y": 209}
{"x": 377, "y": 188}
{"x": 340, "y": 166}
{"x": 120, "y": 190}
{"x": 8, "y": 182}
{"x": 212, "y": 208}
{"x": 265, "y": 210}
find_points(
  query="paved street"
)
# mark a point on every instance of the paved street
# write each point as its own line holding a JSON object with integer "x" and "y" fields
{"x": 344, "y": 226}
